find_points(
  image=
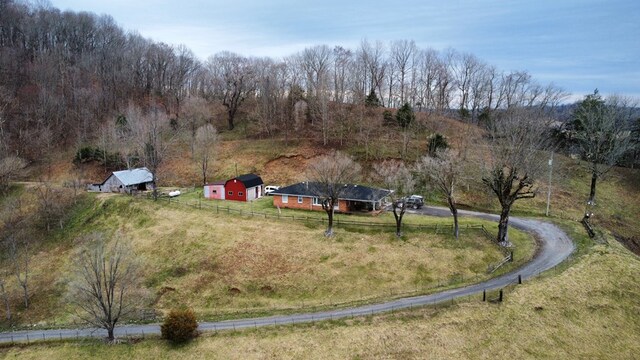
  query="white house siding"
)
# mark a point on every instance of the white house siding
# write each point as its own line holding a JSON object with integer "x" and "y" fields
{"x": 254, "y": 192}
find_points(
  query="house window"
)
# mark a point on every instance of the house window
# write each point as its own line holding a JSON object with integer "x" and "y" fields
{"x": 285, "y": 199}
{"x": 230, "y": 193}
{"x": 299, "y": 199}
{"x": 215, "y": 191}
{"x": 240, "y": 193}
{"x": 316, "y": 201}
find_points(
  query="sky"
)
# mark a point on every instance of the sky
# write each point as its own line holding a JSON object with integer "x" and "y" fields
{"x": 579, "y": 45}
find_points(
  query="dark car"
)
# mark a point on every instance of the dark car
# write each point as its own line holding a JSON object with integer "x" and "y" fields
{"x": 414, "y": 201}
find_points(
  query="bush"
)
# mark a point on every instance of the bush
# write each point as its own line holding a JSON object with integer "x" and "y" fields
{"x": 179, "y": 326}
{"x": 437, "y": 142}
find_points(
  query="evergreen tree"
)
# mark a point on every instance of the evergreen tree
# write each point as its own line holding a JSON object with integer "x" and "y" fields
{"x": 405, "y": 116}
{"x": 372, "y": 100}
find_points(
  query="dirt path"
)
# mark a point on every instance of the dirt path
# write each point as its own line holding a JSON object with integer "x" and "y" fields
{"x": 555, "y": 246}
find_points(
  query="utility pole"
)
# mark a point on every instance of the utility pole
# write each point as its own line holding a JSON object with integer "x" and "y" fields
{"x": 550, "y": 175}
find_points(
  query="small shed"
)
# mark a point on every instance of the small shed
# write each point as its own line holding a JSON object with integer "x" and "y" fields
{"x": 245, "y": 187}
{"x": 125, "y": 181}
{"x": 214, "y": 190}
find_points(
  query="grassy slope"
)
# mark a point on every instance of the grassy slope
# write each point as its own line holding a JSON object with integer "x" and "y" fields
{"x": 582, "y": 312}
{"x": 222, "y": 265}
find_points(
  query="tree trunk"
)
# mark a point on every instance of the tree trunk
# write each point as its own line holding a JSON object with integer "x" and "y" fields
{"x": 454, "y": 211}
{"x": 456, "y": 226}
{"x": 329, "y": 231}
{"x": 592, "y": 194}
{"x": 503, "y": 226}
{"x": 110, "y": 335}
{"x": 398, "y": 219}
{"x": 230, "y": 122}
{"x": 25, "y": 294}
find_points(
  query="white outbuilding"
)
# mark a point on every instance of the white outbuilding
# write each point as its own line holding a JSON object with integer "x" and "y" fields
{"x": 125, "y": 181}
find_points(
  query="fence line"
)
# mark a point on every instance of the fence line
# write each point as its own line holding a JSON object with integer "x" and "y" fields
{"x": 337, "y": 222}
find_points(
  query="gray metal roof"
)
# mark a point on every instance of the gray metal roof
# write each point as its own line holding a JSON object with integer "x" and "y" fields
{"x": 134, "y": 176}
{"x": 349, "y": 192}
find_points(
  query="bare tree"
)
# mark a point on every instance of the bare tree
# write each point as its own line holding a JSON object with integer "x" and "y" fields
{"x": 601, "y": 131}
{"x": 151, "y": 134}
{"x": 20, "y": 262}
{"x": 396, "y": 177}
{"x": 14, "y": 243}
{"x": 104, "y": 289}
{"x": 52, "y": 203}
{"x": 234, "y": 78}
{"x": 515, "y": 137}
{"x": 316, "y": 62}
{"x": 205, "y": 145}
{"x": 444, "y": 171}
{"x": 328, "y": 176}
{"x": 10, "y": 167}
{"x": 196, "y": 112}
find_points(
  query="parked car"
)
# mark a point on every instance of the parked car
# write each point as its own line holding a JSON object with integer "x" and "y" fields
{"x": 414, "y": 201}
{"x": 270, "y": 188}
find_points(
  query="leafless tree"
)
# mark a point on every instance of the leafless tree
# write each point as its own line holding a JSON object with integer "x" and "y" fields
{"x": 234, "y": 78}
{"x": 152, "y": 136}
{"x": 10, "y": 167}
{"x": 104, "y": 288}
{"x": 316, "y": 62}
{"x": 396, "y": 177}
{"x": 16, "y": 242}
{"x": 515, "y": 138}
{"x": 444, "y": 171}
{"x": 52, "y": 202}
{"x": 196, "y": 112}
{"x": 205, "y": 145}
{"x": 328, "y": 176}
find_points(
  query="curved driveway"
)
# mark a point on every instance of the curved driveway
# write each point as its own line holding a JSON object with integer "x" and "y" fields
{"x": 555, "y": 246}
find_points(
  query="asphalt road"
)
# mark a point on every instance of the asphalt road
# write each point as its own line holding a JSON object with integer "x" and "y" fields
{"x": 555, "y": 246}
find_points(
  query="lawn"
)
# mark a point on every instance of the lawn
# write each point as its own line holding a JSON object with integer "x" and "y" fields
{"x": 229, "y": 265}
{"x": 586, "y": 311}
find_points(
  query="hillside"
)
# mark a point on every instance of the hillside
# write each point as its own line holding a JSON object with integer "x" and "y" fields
{"x": 583, "y": 311}
{"x": 224, "y": 265}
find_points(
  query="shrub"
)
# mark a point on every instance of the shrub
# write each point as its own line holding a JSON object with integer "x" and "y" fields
{"x": 437, "y": 142}
{"x": 179, "y": 326}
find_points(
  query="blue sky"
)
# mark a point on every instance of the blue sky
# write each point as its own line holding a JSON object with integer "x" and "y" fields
{"x": 579, "y": 45}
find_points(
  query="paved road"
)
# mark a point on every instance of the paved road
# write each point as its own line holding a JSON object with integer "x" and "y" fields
{"x": 555, "y": 246}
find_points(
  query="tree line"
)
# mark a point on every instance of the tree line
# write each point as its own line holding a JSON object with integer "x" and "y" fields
{"x": 65, "y": 73}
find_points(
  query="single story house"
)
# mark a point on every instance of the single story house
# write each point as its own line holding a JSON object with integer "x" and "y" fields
{"x": 354, "y": 198}
{"x": 245, "y": 187}
{"x": 125, "y": 181}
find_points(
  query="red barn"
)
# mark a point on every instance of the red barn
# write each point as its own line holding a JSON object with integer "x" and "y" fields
{"x": 243, "y": 188}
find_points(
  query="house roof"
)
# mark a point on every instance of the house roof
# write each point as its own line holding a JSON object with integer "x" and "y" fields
{"x": 134, "y": 176}
{"x": 221, "y": 182}
{"x": 351, "y": 191}
{"x": 249, "y": 180}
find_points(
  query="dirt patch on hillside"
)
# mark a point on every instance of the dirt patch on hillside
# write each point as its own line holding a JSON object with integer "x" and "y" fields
{"x": 631, "y": 243}
{"x": 250, "y": 260}
{"x": 285, "y": 169}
